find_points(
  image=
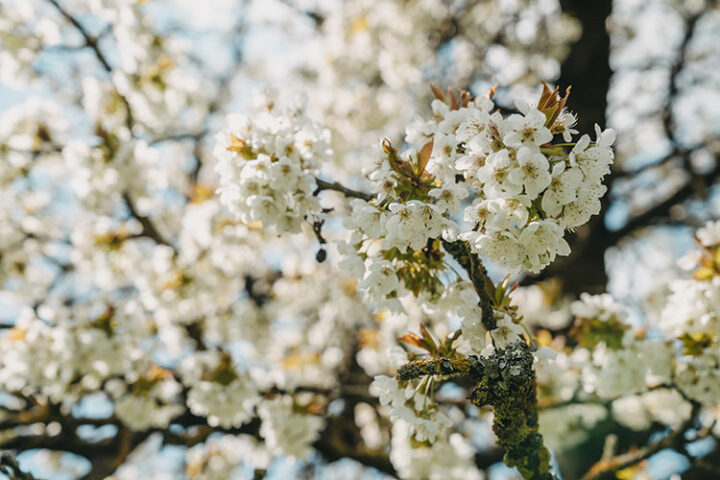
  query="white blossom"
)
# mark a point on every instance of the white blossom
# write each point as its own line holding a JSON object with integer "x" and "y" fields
{"x": 286, "y": 431}
{"x": 528, "y": 128}
{"x": 267, "y": 165}
{"x": 709, "y": 234}
{"x": 506, "y": 331}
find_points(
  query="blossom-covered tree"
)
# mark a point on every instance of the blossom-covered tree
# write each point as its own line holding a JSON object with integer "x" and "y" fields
{"x": 359, "y": 239}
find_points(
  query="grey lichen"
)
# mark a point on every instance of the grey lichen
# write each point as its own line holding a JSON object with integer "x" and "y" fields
{"x": 506, "y": 383}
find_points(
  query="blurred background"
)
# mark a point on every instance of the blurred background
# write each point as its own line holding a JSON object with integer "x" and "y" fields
{"x": 108, "y": 111}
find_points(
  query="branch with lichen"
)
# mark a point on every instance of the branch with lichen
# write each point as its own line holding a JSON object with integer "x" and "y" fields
{"x": 472, "y": 264}
{"x": 466, "y": 367}
{"x": 506, "y": 383}
{"x": 508, "y": 386}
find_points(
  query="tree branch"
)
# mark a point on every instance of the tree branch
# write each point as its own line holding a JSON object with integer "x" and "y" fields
{"x": 348, "y": 192}
{"x": 472, "y": 264}
{"x": 606, "y": 468}
{"x": 695, "y": 185}
{"x": 148, "y": 228}
{"x": 677, "y": 67}
{"x": 9, "y": 466}
{"x": 316, "y": 17}
{"x": 92, "y": 43}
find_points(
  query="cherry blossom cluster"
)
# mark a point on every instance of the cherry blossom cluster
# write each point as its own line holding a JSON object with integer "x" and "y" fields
{"x": 220, "y": 457}
{"x": 286, "y": 429}
{"x": 423, "y": 441}
{"x": 23, "y": 33}
{"x": 382, "y": 53}
{"x": 267, "y": 163}
{"x": 614, "y": 364}
{"x": 692, "y": 317}
{"x": 425, "y": 422}
{"x": 136, "y": 300}
{"x": 449, "y": 457}
{"x": 517, "y": 192}
{"x": 151, "y": 402}
{"x": 616, "y": 370}
{"x": 659, "y": 378}
{"x": 217, "y": 390}
{"x": 526, "y": 189}
{"x": 64, "y": 361}
{"x": 694, "y": 304}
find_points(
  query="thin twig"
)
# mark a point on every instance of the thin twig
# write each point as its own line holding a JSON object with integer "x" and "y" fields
{"x": 606, "y": 468}
{"x": 10, "y": 467}
{"x": 312, "y": 15}
{"x": 92, "y": 43}
{"x": 148, "y": 228}
{"x": 348, "y": 192}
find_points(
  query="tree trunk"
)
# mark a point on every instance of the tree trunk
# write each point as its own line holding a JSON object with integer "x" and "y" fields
{"x": 587, "y": 69}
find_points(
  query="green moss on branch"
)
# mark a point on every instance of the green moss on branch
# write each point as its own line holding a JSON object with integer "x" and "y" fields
{"x": 506, "y": 383}
{"x": 508, "y": 386}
